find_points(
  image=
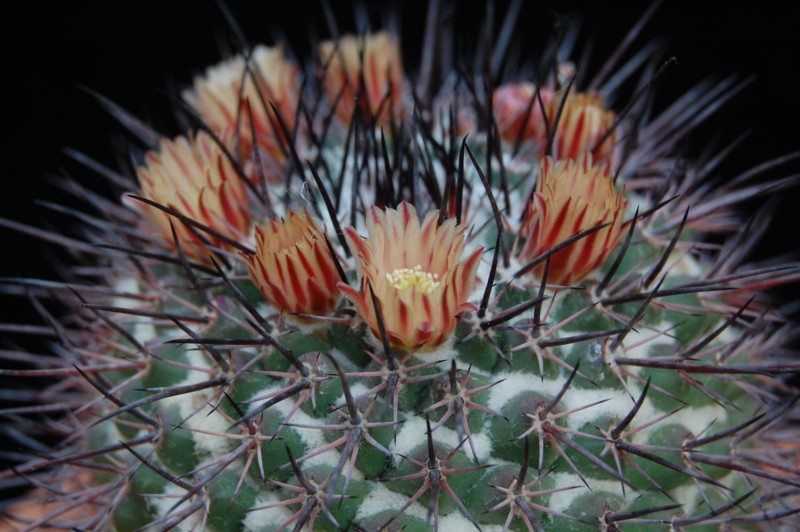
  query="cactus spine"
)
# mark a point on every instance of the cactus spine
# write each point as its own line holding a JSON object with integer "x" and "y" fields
{"x": 346, "y": 302}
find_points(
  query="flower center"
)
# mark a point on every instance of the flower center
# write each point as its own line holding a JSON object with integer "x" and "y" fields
{"x": 405, "y": 278}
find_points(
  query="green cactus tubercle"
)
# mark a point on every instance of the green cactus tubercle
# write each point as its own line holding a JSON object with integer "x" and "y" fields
{"x": 477, "y": 305}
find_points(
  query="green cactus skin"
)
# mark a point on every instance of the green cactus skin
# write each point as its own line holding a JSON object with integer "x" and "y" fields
{"x": 648, "y": 396}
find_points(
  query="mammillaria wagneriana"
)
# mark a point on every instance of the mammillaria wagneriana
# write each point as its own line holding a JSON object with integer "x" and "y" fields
{"x": 534, "y": 334}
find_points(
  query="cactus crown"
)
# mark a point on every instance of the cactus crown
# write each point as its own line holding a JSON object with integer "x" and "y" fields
{"x": 347, "y": 300}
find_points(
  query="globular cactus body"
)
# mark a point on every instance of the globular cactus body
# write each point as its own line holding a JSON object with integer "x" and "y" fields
{"x": 361, "y": 307}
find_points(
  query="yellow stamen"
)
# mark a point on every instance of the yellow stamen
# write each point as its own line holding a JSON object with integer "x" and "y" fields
{"x": 405, "y": 278}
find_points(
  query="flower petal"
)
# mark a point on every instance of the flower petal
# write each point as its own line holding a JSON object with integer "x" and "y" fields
{"x": 416, "y": 273}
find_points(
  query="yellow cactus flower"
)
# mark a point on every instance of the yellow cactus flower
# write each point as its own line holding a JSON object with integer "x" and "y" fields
{"x": 572, "y": 196}
{"x": 584, "y": 121}
{"x": 219, "y": 98}
{"x": 416, "y": 273}
{"x": 293, "y": 266}
{"x": 193, "y": 176}
{"x": 381, "y": 71}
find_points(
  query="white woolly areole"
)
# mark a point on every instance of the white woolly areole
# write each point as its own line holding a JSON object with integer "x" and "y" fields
{"x": 690, "y": 497}
{"x": 639, "y": 342}
{"x": 695, "y": 419}
{"x": 269, "y": 518}
{"x": 165, "y": 502}
{"x": 414, "y": 433}
{"x": 312, "y": 438}
{"x": 617, "y": 404}
{"x": 357, "y": 388}
{"x": 143, "y": 330}
{"x": 207, "y": 418}
{"x": 515, "y": 383}
{"x": 456, "y": 521}
{"x": 380, "y": 498}
{"x": 683, "y": 263}
{"x": 561, "y": 501}
{"x": 687, "y": 495}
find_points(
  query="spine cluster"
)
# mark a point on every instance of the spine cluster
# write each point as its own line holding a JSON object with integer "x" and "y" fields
{"x": 347, "y": 300}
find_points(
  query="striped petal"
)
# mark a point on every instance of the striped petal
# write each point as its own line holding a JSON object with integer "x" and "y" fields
{"x": 365, "y": 69}
{"x": 222, "y": 95}
{"x": 416, "y": 273}
{"x": 293, "y": 267}
{"x": 193, "y": 176}
{"x": 583, "y": 126}
{"x": 572, "y": 196}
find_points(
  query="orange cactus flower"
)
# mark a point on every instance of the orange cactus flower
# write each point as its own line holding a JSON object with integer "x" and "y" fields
{"x": 416, "y": 273}
{"x": 511, "y": 105}
{"x": 584, "y": 120}
{"x": 220, "y": 99}
{"x": 572, "y": 196}
{"x": 193, "y": 176}
{"x": 382, "y": 73}
{"x": 293, "y": 266}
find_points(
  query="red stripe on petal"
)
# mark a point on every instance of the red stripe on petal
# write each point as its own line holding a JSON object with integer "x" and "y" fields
{"x": 301, "y": 301}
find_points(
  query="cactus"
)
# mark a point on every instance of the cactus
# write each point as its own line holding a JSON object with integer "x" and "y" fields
{"x": 346, "y": 300}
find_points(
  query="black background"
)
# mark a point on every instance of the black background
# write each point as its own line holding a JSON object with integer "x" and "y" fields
{"x": 137, "y": 53}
